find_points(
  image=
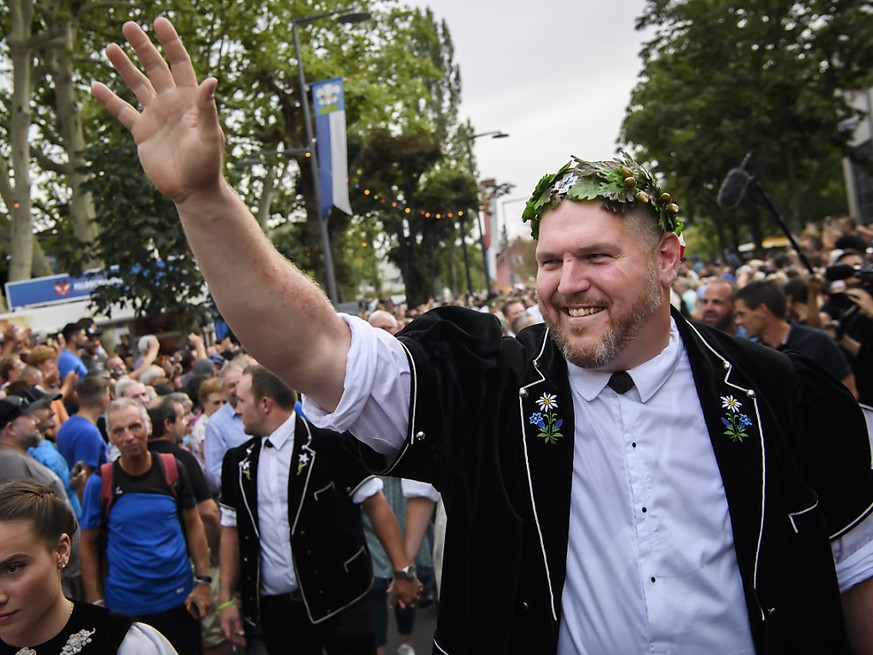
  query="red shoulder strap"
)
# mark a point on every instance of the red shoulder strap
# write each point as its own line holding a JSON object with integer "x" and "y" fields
{"x": 171, "y": 471}
{"x": 106, "y": 495}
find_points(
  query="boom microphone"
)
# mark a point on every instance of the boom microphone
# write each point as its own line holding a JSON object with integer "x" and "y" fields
{"x": 840, "y": 272}
{"x": 732, "y": 190}
{"x": 734, "y": 186}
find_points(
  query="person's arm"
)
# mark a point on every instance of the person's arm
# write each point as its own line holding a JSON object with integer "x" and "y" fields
{"x": 199, "y": 552}
{"x": 858, "y": 610}
{"x": 196, "y": 342}
{"x": 419, "y": 512}
{"x": 813, "y": 290}
{"x": 209, "y": 516}
{"x": 180, "y": 145}
{"x": 89, "y": 562}
{"x": 385, "y": 525}
{"x": 148, "y": 359}
{"x": 231, "y": 624}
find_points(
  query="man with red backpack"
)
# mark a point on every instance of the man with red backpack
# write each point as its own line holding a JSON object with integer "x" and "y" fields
{"x": 144, "y": 506}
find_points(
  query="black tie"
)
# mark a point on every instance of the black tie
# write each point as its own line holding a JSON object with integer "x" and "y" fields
{"x": 269, "y": 444}
{"x": 620, "y": 381}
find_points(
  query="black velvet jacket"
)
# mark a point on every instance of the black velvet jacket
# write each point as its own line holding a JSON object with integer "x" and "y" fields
{"x": 328, "y": 549}
{"x": 801, "y": 478}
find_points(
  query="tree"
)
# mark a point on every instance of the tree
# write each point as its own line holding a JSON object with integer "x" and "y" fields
{"x": 723, "y": 77}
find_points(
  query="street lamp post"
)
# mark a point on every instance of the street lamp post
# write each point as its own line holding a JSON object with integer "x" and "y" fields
{"x": 343, "y": 16}
{"x": 494, "y": 134}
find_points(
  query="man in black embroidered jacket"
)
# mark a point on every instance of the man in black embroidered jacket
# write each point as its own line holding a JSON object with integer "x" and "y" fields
{"x": 292, "y": 531}
{"x": 732, "y": 483}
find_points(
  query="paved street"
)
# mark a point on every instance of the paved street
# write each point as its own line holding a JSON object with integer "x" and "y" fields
{"x": 422, "y": 640}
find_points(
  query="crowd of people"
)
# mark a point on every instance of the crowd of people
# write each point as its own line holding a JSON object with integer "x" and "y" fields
{"x": 135, "y": 457}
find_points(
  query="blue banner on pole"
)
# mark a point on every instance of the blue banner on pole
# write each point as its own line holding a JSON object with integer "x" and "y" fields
{"x": 330, "y": 127}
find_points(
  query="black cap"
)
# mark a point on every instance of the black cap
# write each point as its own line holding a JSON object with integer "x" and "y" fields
{"x": 35, "y": 396}
{"x": 11, "y": 408}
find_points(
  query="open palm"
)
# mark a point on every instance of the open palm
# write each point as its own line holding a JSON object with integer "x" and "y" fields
{"x": 177, "y": 133}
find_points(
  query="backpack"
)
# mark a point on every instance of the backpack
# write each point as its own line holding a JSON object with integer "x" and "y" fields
{"x": 107, "y": 487}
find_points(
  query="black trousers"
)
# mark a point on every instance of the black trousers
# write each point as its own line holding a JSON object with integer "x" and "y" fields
{"x": 179, "y": 627}
{"x": 288, "y": 631}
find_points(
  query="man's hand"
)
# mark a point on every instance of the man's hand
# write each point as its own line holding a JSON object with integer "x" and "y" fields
{"x": 177, "y": 134}
{"x": 863, "y": 299}
{"x": 231, "y": 625}
{"x": 404, "y": 592}
{"x": 201, "y": 596}
{"x": 71, "y": 379}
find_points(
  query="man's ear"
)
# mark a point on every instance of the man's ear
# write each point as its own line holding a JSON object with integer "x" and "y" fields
{"x": 669, "y": 256}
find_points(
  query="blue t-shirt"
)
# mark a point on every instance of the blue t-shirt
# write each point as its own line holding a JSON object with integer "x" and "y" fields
{"x": 47, "y": 455}
{"x": 79, "y": 440}
{"x": 146, "y": 551}
{"x": 67, "y": 362}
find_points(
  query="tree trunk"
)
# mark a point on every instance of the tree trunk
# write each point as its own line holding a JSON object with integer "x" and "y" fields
{"x": 21, "y": 238}
{"x": 82, "y": 209}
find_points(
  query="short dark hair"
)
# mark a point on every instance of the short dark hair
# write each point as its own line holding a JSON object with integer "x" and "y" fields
{"x": 91, "y": 389}
{"x": 50, "y": 516}
{"x": 797, "y": 289}
{"x": 70, "y": 329}
{"x": 509, "y": 303}
{"x": 764, "y": 292}
{"x": 162, "y": 412}
{"x": 267, "y": 385}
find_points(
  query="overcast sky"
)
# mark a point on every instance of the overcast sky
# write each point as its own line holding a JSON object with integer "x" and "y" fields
{"x": 556, "y": 76}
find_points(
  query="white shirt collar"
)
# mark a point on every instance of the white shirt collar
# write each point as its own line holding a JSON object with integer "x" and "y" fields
{"x": 284, "y": 433}
{"x": 648, "y": 377}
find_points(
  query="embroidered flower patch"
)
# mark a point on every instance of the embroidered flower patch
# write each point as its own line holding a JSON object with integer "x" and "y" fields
{"x": 735, "y": 423}
{"x": 302, "y": 462}
{"x": 547, "y": 420}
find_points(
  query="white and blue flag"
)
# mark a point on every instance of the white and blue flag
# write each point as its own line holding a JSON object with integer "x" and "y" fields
{"x": 333, "y": 160}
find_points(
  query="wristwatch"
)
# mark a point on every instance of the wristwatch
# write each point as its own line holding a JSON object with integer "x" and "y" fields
{"x": 406, "y": 573}
{"x": 203, "y": 579}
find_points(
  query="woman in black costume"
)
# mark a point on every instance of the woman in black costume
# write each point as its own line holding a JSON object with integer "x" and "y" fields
{"x": 36, "y": 528}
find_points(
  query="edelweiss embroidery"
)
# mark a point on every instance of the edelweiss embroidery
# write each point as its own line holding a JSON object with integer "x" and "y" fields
{"x": 77, "y": 642}
{"x": 735, "y": 423}
{"x": 547, "y": 420}
{"x": 302, "y": 462}
{"x": 245, "y": 465}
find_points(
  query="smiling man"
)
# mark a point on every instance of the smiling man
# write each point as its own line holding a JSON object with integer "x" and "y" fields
{"x": 618, "y": 480}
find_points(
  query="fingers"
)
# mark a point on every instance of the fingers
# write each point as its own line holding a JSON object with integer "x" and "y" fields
{"x": 208, "y": 113}
{"x": 159, "y": 76}
{"x": 131, "y": 75}
{"x": 177, "y": 55}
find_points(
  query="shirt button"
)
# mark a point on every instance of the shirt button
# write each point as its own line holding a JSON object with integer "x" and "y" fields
{"x": 634, "y": 444}
{"x": 653, "y": 579}
{"x": 645, "y": 510}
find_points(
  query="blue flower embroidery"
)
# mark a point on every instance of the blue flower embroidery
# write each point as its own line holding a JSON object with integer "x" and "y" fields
{"x": 547, "y": 420}
{"x": 735, "y": 423}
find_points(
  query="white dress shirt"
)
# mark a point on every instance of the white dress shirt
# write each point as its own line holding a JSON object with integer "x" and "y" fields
{"x": 651, "y": 566}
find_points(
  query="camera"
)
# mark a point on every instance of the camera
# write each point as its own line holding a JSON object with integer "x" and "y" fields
{"x": 842, "y": 272}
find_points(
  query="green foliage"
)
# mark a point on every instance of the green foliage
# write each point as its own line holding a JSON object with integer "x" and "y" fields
{"x": 401, "y": 82}
{"x": 724, "y": 77}
{"x": 141, "y": 242}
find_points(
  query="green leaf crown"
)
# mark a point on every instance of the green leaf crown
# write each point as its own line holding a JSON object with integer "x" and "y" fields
{"x": 619, "y": 184}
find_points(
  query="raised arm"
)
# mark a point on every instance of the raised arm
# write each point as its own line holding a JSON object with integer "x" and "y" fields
{"x": 282, "y": 317}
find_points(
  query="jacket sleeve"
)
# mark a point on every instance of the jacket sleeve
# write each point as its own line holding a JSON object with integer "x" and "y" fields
{"x": 833, "y": 447}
